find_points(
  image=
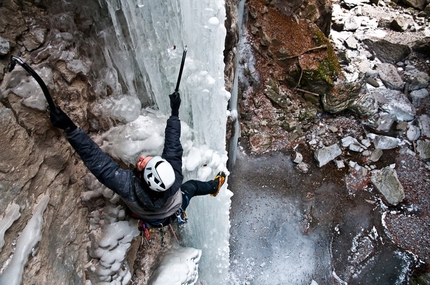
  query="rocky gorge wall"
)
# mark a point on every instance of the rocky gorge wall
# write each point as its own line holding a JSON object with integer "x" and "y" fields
{"x": 37, "y": 161}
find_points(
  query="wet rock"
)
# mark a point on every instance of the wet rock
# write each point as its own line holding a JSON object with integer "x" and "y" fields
{"x": 418, "y": 80}
{"x": 395, "y": 103}
{"x": 390, "y": 77}
{"x": 260, "y": 142}
{"x": 339, "y": 163}
{"x": 376, "y": 155}
{"x": 303, "y": 167}
{"x": 385, "y": 122}
{"x": 385, "y": 142}
{"x": 387, "y": 182}
{"x": 423, "y": 46}
{"x": 352, "y": 144}
{"x": 275, "y": 95}
{"x": 326, "y": 154}
{"x": 423, "y": 149}
{"x": 372, "y": 81}
{"x": 298, "y": 157}
{"x": 424, "y": 124}
{"x": 67, "y": 36}
{"x": 386, "y": 51}
{"x": 342, "y": 97}
{"x": 413, "y": 133}
{"x": 365, "y": 105}
{"x": 4, "y": 46}
{"x": 417, "y": 95}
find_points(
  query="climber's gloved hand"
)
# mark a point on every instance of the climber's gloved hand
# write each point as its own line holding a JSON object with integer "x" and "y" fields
{"x": 60, "y": 120}
{"x": 175, "y": 103}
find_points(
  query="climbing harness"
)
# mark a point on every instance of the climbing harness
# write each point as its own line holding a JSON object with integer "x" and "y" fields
{"x": 147, "y": 227}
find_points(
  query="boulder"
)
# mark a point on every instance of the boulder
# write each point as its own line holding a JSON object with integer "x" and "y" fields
{"x": 326, "y": 154}
{"x": 401, "y": 23}
{"x": 394, "y": 103}
{"x": 417, "y": 95}
{"x": 423, "y": 149}
{"x": 419, "y": 80}
{"x": 387, "y": 51}
{"x": 343, "y": 95}
{"x": 385, "y": 142}
{"x": 423, "y": 46}
{"x": 388, "y": 184}
{"x": 413, "y": 133}
{"x": 390, "y": 77}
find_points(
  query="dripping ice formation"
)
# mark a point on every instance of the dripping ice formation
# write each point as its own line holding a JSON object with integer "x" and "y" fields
{"x": 25, "y": 244}
{"x": 147, "y": 45}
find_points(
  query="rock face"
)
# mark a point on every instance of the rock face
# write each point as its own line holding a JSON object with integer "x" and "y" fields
{"x": 36, "y": 161}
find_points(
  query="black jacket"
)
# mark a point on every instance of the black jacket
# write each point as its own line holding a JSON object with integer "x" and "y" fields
{"x": 145, "y": 203}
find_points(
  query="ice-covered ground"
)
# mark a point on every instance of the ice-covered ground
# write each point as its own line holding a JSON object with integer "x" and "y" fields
{"x": 293, "y": 228}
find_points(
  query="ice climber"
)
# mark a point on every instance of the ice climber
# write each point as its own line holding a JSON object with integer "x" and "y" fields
{"x": 153, "y": 191}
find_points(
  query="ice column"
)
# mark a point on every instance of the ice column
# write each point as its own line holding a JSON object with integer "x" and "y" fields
{"x": 147, "y": 45}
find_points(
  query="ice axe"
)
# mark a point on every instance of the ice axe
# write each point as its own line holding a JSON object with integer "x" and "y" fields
{"x": 184, "y": 54}
{"x": 14, "y": 60}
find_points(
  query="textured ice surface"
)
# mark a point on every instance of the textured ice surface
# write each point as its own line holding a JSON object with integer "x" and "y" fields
{"x": 178, "y": 267}
{"x": 28, "y": 239}
{"x": 9, "y": 216}
{"x": 149, "y": 38}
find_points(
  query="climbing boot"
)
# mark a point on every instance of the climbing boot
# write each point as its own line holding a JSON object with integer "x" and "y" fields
{"x": 220, "y": 178}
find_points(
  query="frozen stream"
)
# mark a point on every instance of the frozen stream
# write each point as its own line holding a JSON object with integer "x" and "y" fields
{"x": 293, "y": 228}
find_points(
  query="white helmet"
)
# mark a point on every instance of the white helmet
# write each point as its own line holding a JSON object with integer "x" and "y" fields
{"x": 159, "y": 174}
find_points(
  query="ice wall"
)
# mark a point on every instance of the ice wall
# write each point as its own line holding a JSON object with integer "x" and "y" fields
{"x": 145, "y": 49}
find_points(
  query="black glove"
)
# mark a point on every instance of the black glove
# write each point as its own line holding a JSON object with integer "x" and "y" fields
{"x": 60, "y": 120}
{"x": 175, "y": 103}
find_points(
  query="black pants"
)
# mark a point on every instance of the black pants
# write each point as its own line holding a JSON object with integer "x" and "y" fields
{"x": 193, "y": 188}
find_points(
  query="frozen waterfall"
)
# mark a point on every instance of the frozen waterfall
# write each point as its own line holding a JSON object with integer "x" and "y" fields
{"x": 143, "y": 48}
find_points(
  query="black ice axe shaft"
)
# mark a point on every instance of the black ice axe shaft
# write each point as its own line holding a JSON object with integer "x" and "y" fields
{"x": 184, "y": 54}
{"x": 14, "y": 60}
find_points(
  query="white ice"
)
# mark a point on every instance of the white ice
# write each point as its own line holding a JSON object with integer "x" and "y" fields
{"x": 9, "y": 216}
{"x": 156, "y": 33}
{"x": 27, "y": 87}
{"x": 28, "y": 239}
{"x": 111, "y": 239}
{"x": 179, "y": 267}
